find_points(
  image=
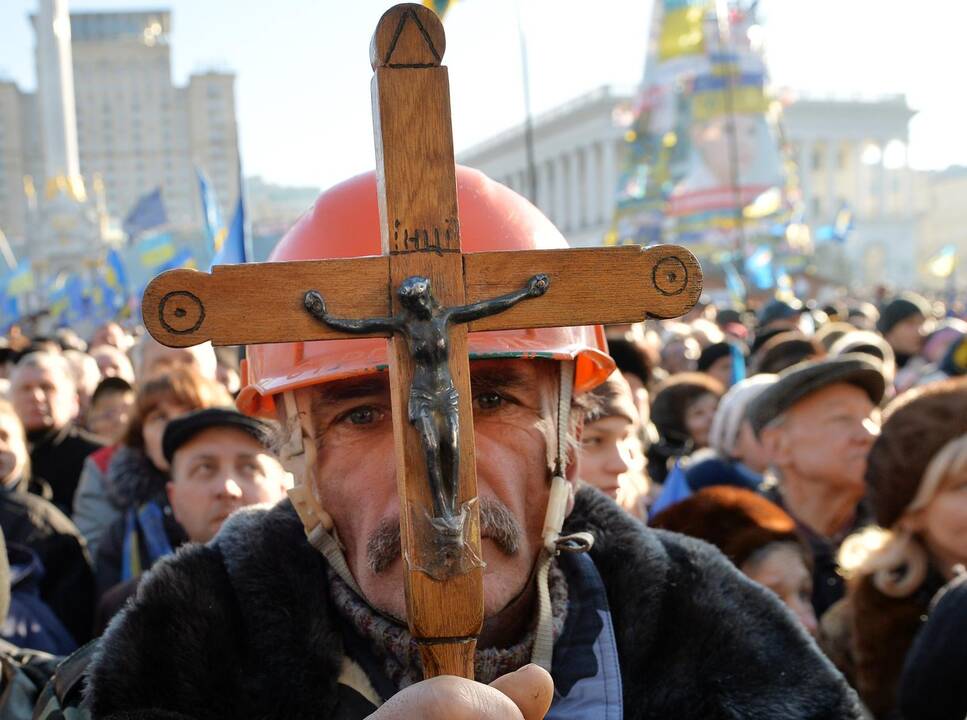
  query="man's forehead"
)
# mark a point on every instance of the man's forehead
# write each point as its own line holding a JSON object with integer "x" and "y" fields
{"x": 834, "y": 396}
{"x": 485, "y": 373}
{"x": 222, "y": 440}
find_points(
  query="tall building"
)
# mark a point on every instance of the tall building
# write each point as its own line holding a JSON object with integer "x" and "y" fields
{"x": 136, "y": 130}
{"x": 849, "y": 152}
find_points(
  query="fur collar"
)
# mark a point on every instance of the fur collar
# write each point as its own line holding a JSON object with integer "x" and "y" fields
{"x": 132, "y": 478}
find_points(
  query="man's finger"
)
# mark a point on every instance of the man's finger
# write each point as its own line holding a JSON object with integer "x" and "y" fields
{"x": 531, "y": 689}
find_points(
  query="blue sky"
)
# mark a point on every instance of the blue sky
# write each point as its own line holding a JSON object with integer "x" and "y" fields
{"x": 303, "y": 70}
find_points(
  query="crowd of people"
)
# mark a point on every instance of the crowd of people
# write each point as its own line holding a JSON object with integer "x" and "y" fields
{"x": 821, "y": 450}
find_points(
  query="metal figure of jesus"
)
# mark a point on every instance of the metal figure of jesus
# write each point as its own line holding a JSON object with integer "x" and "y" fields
{"x": 433, "y": 406}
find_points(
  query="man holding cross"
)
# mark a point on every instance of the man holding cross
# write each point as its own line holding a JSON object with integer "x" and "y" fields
{"x": 299, "y": 611}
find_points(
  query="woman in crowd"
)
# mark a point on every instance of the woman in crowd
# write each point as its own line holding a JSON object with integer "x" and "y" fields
{"x": 682, "y": 411}
{"x": 917, "y": 488}
{"x": 735, "y": 456}
{"x": 125, "y": 475}
{"x": 756, "y": 535}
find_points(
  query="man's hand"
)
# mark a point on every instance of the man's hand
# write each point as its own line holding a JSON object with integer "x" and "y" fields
{"x": 538, "y": 285}
{"x": 522, "y": 695}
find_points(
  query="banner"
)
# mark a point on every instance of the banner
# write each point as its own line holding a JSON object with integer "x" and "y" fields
{"x": 702, "y": 165}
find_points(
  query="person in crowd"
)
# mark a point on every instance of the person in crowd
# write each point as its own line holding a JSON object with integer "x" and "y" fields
{"x": 682, "y": 411}
{"x": 110, "y": 333}
{"x": 110, "y": 410}
{"x": 153, "y": 359}
{"x": 24, "y": 672}
{"x": 783, "y": 315}
{"x": 612, "y": 457}
{"x": 758, "y": 536}
{"x": 86, "y": 376}
{"x": 62, "y": 571}
{"x": 125, "y": 476}
{"x": 220, "y": 461}
{"x": 43, "y": 393}
{"x": 831, "y": 332}
{"x": 924, "y": 367}
{"x": 902, "y": 323}
{"x": 931, "y": 686}
{"x": 228, "y": 372}
{"x": 817, "y": 423}
{"x": 735, "y": 455}
{"x": 679, "y": 349}
{"x": 785, "y": 349}
{"x": 112, "y": 362}
{"x": 69, "y": 340}
{"x": 724, "y": 361}
{"x": 863, "y": 316}
{"x": 269, "y": 626}
{"x": 916, "y": 476}
{"x": 871, "y": 343}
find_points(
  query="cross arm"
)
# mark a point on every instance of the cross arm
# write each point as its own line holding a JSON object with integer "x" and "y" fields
{"x": 263, "y": 303}
{"x": 587, "y": 286}
{"x": 536, "y": 286}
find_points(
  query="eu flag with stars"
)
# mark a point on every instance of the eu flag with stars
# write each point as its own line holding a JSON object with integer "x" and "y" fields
{"x": 149, "y": 212}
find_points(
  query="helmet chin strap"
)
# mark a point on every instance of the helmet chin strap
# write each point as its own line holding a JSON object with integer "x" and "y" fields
{"x": 554, "y": 516}
{"x": 299, "y": 456}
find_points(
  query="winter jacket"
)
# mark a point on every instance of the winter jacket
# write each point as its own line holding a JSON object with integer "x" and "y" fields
{"x": 23, "y": 675}
{"x": 114, "y": 479}
{"x": 244, "y": 628}
{"x": 30, "y": 623}
{"x": 68, "y": 583}
{"x": 58, "y": 457}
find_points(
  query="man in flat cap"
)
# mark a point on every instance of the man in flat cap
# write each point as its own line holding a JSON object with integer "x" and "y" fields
{"x": 817, "y": 424}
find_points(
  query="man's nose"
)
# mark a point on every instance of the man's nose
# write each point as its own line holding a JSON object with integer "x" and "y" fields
{"x": 228, "y": 487}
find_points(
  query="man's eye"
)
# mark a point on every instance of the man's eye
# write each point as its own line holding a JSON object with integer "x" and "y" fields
{"x": 365, "y": 415}
{"x": 489, "y": 400}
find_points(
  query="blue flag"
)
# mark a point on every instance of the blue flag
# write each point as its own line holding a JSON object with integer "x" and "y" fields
{"x": 211, "y": 216}
{"x": 156, "y": 251}
{"x": 758, "y": 267}
{"x": 149, "y": 212}
{"x": 230, "y": 247}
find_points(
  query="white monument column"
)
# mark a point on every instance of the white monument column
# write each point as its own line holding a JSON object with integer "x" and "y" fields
{"x": 592, "y": 191}
{"x": 609, "y": 179}
{"x": 560, "y": 196}
{"x": 543, "y": 200}
{"x": 832, "y": 207}
{"x": 574, "y": 191}
{"x": 805, "y": 179}
{"x": 55, "y": 86}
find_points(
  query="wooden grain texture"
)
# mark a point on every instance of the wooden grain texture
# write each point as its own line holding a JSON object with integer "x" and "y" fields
{"x": 261, "y": 303}
{"x": 416, "y": 183}
{"x": 588, "y": 286}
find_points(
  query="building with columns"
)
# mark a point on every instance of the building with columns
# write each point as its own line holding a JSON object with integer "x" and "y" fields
{"x": 850, "y": 151}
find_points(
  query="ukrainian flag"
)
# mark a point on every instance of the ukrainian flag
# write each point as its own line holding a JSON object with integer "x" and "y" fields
{"x": 21, "y": 280}
{"x": 440, "y": 7}
{"x": 156, "y": 251}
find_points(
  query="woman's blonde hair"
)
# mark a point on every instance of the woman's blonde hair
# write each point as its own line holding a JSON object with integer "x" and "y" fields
{"x": 897, "y": 558}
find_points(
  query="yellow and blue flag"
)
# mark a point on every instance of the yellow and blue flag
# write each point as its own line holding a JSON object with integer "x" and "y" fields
{"x": 156, "y": 250}
{"x": 943, "y": 264}
{"x": 211, "y": 215}
{"x": 148, "y": 213}
{"x": 440, "y": 7}
{"x": 20, "y": 281}
{"x": 230, "y": 247}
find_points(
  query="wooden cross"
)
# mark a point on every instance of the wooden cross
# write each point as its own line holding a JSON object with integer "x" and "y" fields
{"x": 416, "y": 182}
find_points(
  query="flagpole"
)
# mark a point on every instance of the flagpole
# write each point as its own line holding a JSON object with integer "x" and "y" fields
{"x": 528, "y": 117}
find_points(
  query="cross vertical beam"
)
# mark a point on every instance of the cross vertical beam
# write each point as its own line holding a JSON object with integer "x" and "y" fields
{"x": 416, "y": 183}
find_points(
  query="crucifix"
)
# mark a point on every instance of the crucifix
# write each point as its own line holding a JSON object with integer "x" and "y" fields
{"x": 424, "y": 296}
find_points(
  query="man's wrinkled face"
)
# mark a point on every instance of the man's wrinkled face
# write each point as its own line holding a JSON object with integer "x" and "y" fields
{"x": 13, "y": 449}
{"x": 355, "y": 477}
{"x": 44, "y": 399}
{"x": 217, "y": 472}
{"x": 827, "y": 435}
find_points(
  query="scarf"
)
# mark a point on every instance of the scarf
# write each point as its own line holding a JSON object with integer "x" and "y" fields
{"x": 399, "y": 652}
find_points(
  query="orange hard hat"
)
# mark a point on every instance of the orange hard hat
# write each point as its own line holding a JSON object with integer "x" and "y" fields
{"x": 345, "y": 223}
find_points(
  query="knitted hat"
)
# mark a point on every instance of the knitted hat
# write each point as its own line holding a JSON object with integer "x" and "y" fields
{"x": 802, "y": 380}
{"x": 899, "y": 309}
{"x": 732, "y": 411}
{"x": 918, "y": 424}
{"x": 713, "y": 353}
{"x": 737, "y": 521}
{"x": 613, "y": 399}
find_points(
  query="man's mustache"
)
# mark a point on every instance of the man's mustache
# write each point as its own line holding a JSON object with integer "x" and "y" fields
{"x": 497, "y": 522}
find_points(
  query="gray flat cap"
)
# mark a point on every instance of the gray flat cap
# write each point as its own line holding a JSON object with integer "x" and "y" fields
{"x": 805, "y": 378}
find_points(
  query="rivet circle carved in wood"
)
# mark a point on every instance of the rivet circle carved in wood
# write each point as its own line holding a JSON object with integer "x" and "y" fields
{"x": 181, "y": 312}
{"x": 670, "y": 276}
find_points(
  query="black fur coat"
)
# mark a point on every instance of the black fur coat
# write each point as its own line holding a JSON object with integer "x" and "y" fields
{"x": 242, "y": 628}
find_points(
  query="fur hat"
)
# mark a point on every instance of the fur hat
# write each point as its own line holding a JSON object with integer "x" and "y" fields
{"x": 737, "y": 521}
{"x": 673, "y": 398}
{"x": 802, "y": 380}
{"x": 917, "y": 425}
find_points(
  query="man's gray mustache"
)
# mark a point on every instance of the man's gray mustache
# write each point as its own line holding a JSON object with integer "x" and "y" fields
{"x": 497, "y": 522}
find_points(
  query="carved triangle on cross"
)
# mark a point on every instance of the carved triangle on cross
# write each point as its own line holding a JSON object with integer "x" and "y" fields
{"x": 412, "y": 44}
